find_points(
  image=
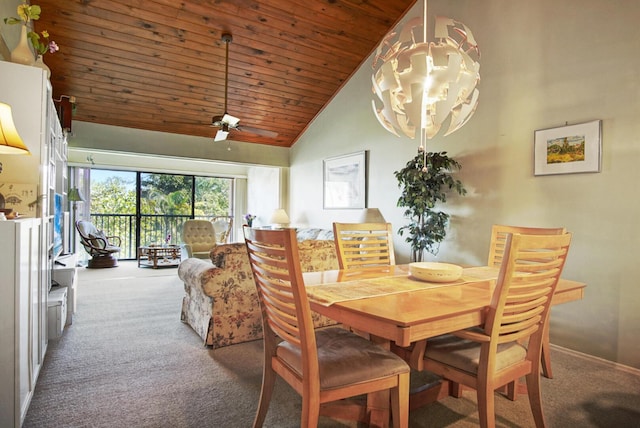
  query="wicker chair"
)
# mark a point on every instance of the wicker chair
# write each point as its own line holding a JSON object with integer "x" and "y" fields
{"x": 101, "y": 248}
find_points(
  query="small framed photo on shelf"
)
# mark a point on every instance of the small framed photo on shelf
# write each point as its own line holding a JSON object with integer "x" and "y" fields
{"x": 345, "y": 181}
{"x": 568, "y": 149}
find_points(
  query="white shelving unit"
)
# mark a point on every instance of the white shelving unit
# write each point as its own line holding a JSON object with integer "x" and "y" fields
{"x": 43, "y": 174}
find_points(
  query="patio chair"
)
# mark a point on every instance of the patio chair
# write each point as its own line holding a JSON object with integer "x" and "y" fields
{"x": 101, "y": 248}
{"x": 222, "y": 227}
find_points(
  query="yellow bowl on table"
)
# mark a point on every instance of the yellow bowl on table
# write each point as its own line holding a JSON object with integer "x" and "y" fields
{"x": 435, "y": 272}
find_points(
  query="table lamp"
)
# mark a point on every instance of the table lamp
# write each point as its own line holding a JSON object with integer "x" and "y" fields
{"x": 279, "y": 219}
{"x": 10, "y": 141}
{"x": 74, "y": 196}
{"x": 371, "y": 215}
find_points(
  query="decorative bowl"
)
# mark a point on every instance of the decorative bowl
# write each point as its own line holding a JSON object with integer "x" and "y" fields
{"x": 6, "y": 211}
{"x": 435, "y": 272}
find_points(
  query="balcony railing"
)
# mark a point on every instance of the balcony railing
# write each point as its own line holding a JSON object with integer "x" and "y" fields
{"x": 154, "y": 229}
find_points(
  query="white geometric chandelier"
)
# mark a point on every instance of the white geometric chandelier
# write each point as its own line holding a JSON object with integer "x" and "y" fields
{"x": 420, "y": 84}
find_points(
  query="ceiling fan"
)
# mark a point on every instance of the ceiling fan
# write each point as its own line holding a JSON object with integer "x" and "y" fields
{"x": 226, "y": 122}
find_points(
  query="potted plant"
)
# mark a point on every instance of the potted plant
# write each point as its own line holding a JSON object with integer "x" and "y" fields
{"x": 425, "y": 182}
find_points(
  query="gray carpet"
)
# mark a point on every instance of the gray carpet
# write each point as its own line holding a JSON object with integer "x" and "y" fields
{"x": 128, "y": 361}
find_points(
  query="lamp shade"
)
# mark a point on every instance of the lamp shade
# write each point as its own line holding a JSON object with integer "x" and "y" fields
{"x": 279, "y": 217}
{"x": 75, "y": 195}
{"x": 420, "y": 84}
{"x": 371, "y": 215}
{"x": 10, "y": 141}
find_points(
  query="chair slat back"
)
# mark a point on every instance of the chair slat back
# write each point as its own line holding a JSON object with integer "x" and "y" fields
{"x": 361, "y": 245}
{"x": 528, "y": 277}
{"x": 273, "y": 255}
{"x": 499, "y": 235}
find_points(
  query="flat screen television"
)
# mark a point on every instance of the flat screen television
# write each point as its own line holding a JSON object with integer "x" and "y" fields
{"x": 58, "y": 225}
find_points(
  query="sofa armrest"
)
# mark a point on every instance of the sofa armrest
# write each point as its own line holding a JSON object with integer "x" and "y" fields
{"x": 192, "y": 271}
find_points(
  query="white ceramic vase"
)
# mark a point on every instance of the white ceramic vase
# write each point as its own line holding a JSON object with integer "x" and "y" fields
{"x": 40, "y": 63}
{"x": 22, "y": 54}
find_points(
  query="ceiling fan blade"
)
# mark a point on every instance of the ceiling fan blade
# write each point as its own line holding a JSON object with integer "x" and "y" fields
{"x": 221, "y": 135}
{"x": 262, "y": 132}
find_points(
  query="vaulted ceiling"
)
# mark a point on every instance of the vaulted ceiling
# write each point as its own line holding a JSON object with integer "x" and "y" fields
{"x": 160, "y": 64}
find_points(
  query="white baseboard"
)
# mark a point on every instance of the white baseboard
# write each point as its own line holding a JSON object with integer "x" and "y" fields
{"x": 611, "y": 364}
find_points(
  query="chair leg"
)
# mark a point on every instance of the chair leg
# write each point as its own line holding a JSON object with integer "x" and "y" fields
{"x": 546, "y": 360}
{"x": 310, "y": 411}
{"x": 268, "y": 383}
{"x": 535, "y": 398}
{"x": 486, "y": 406}
{"x": 400, "y": 402}
{"x": 512, "y": 390}
{"x": 455, "y": 389}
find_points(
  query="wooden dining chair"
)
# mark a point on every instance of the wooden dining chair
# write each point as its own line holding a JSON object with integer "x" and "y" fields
{"x": 509, "y": 344}
{"x": 499, "y": 234}
{"x": 324, "y": 365}
{"x": 361, "y": 245}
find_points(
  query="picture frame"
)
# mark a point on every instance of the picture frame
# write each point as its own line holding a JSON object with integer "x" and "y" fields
{"x": 568, "y": 149}
{"x": 345, "y": 181}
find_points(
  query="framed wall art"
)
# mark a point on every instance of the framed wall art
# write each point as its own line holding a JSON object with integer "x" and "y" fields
{"x": 568, "y": 149}
{"x": 345, "y": 181}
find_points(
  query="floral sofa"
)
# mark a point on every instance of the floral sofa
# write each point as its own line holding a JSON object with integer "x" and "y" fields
{"x": 221, "y": 302}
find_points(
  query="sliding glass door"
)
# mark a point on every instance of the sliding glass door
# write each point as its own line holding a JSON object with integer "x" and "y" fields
{"x": 145, "y": 208}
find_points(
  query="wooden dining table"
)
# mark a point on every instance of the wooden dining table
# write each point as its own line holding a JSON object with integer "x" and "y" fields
{"x": 397, "y": 309}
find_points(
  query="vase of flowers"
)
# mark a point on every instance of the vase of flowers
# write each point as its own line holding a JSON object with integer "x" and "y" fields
{"x": 40, "y": 42}
{"x": 249, "y": 219}
{"x": 42, "y": 45}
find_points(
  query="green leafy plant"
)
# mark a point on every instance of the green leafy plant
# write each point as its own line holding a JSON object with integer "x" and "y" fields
{"x": 424, "y": 186}
{"x": 26, "y": 13}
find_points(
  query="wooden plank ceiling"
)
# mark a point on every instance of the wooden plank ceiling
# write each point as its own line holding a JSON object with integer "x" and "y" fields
{"x": 159, "y": 64}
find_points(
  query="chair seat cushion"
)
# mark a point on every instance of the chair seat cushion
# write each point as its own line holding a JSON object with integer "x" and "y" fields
{"x": 345, "y": 358}
{"x": 464, "y": 354}
{"x": 98, "y": 239}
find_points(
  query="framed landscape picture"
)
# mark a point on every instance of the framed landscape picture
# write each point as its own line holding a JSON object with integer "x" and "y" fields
{"x": 568, "y": 149}
{"x": 345, "y": 181}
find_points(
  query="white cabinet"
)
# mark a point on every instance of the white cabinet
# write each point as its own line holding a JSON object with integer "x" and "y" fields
{"x": 57, "y": 312}
{"x": 21, "y": 311}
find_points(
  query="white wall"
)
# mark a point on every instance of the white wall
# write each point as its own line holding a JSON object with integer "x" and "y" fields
{"x": 113, "y": 138}
{"x": 9, "y": 34}
{"x": 543, "y": 64}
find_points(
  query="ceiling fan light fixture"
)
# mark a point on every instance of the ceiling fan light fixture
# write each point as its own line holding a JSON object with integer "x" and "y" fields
{"x": 227, "y": 122}
{"x": 231, "y": 120}
{"x": 221, "y": 135}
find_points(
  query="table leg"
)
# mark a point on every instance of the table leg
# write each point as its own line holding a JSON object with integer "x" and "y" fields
{"x": 379, "y": 403}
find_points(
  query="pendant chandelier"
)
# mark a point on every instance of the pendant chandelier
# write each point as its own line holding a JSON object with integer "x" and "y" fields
{"x": 420, "y": 84}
